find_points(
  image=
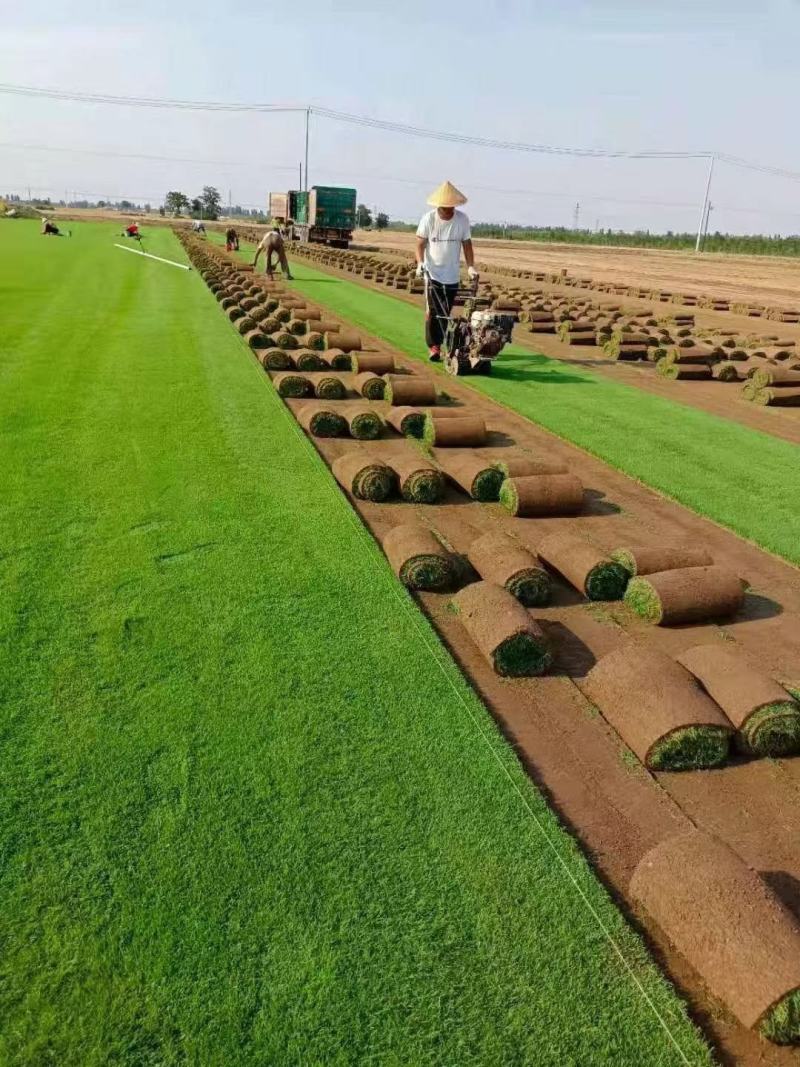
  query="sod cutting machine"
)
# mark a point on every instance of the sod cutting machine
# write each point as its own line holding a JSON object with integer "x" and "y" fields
{"x": 473, "y": 339}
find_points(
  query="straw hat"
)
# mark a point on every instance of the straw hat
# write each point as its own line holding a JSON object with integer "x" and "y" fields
{"x": 446, "y": 196}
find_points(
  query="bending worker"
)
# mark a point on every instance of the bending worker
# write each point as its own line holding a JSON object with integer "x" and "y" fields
{"x": 272, "y": 243}
{"x": 441, "y": 235}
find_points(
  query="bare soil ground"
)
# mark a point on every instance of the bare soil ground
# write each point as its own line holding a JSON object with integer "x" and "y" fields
{"x": 763, "y": 279}
{"x": 617, "y": 808}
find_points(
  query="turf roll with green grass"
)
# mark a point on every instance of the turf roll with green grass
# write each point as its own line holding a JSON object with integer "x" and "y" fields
{"x": 686, "y": 594}
{"x": 275, "y": 359}
{"x": 584, "y": 566}
{"x": 404, "y": 390}
{"x": 371, "y": 386}
{"x": 336, "y": 359}
{"x": 408, "y": 421}
{"x": 472, "y": 473}
{"x": 284, "y": 339}
{"x": 321, "y": 421}
{"x": 650, "y": 559}
{"x": 294, "y": 386}
{"x": 307, "y": 360}
{"x": 765, "y": 715}
{"x": 658, "y": 709}
{"x": 418, "y": 558}
{"x": 464, "y": 431}
{"x": 328, "y": 387}
{"x": 510, "y": 640}
{"x": 730, "y": 925}
{"x": 420, "y": 482}
{"x": 498, "y": 558}
{"x": 364, "y": 477}
{"x": 364, "y": 423}
{"x": 542, "y": 494}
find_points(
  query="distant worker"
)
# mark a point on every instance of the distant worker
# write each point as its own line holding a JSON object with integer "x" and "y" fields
{"x": 231, "y": 240}
{"x": 50, "y": 228}
{"x": 441, "y": 235}
{"x": 199, "y": 227}
{"x": 132, "y": 230}
{"x": 272, "y": 243}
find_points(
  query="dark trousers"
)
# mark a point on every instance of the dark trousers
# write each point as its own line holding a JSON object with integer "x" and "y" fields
{"x": 440, "y": 303}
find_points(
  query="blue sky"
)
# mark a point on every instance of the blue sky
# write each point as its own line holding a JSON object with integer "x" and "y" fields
{"x": 680, "y": 75}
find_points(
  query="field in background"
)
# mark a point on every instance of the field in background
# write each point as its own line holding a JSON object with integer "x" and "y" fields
{"x": 251, "y": 812}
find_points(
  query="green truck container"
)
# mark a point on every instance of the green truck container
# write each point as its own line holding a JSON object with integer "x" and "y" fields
{"x": 326, "y": 214}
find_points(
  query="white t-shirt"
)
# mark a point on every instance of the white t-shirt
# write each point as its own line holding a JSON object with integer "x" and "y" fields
{"x": 443, "y": 250}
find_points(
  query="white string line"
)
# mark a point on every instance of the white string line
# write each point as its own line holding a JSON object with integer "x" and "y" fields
{"x": 413, "y": 616}
{"x": 149, "y": 255}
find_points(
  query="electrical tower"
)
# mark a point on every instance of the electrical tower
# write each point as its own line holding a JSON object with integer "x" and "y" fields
{"x": 576, "y": 215}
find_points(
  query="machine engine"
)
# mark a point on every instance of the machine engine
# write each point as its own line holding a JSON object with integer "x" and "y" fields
{"x": 472, "y": 342}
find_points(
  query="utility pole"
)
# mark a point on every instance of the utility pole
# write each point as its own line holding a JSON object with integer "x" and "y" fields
{"x": 576, "y": 215}
{"x": 709, "y": 209}
{"x": 308, "y": 115}
{"x": 300, "y": 186}
{"x": 704, "y": 209}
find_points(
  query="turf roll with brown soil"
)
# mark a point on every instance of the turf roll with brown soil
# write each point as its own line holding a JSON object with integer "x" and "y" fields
{"x": 408, "y": 389}
{"x": 646, "y": 559}
{"x": 472, "y": 473}
{"x": 364, "y": 477}
{"x": 335, "y": 358}
{"x": 327, "y": 387}
{"x": 420, "y": 482}
{"x": 683, "y": 372}
{"x": 729, "y": 925}
{"x": 344, "y": 339}
{"x": 500, "y": 559}
{"x": 314, "y": 340}
{"x": 293, "y": 386}
{"x": 512, "y": 642}
{"x": 410, "y": 422}
{"x": 542, "y": 494}
{"x": 777, "y": 397}
{"x": 274, "y": 359}
{"x": 521, "y": 466}
{"x": 418, "y": 558}
{"x": 370, "y": 385}
{"x": 467, "y": 431}
{"x": 257, "y": 340}
{"x": 776, "y": 378}
{"x": 321, "y": 421}
{"x": 377, "y": 362}
{"x": 306, "y": 360}
{"x": 766, "y": 717}
{"x": 686, "y": 594}
{"x": 364, "y": 423}
{"x": 584, "y": 566}
{"x": 659, "y": 709}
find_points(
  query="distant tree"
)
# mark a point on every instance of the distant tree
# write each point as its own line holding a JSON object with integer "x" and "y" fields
{"x": 196, "y": 208}
{"x": 161, "y": 211}
{"x": 125, "y": 205}
{"x": 363, "y": 217}
{"x": 381, "y": 220}
{"x": 101, "y": 203}
{"x": 211, "y": 202}
{"x": 147, "y": 208}
{"x": 175, "y": 202}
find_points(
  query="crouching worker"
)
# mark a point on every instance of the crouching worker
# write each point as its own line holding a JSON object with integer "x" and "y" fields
{"x": 272, "y": 244}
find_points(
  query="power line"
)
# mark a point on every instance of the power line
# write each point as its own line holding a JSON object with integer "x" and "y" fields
{"x": 140, "y": 155}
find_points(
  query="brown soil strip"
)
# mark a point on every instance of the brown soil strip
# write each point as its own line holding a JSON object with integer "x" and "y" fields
{"x": 724, "y": 919}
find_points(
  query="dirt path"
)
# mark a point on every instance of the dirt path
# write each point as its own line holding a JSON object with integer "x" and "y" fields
{"x": 771, "y": 280}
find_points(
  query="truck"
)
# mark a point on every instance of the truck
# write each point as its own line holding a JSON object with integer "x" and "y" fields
{"x": 325, "y": 214}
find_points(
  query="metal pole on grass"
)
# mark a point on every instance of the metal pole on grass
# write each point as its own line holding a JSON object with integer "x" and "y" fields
{"x": 704, "y": 209}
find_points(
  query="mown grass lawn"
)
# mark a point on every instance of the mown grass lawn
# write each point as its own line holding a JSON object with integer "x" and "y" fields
{"x": 740, "y": 478}
{"x": 250, "y": 813}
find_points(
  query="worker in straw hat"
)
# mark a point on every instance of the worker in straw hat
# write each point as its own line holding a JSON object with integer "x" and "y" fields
{"x": 441, "y": 235}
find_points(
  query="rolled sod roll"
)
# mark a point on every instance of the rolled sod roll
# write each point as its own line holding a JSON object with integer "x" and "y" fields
{"x": 258, "y": 340}
{"x": 508, "y": 637}
{"x": 782, "y": 397}
{"x": 418, "y": 558}
{"x": 314, "y": 340}
{"x": 402, "y": 390}
{"x": 335, "y": 358}
{"x": 274, "y": 359}
{"x": 727, "y": 922}
{"x": 377, "y": 362}
{"x": 658, "y": 709}
{"x": 684, "y": 371}
{"x": 344, "y": 339}
{"x": 305, "y": 359}
{"x": 245, "y": 324}
{"x": 365, "y": 478}
{"x": 686, "y": 594}
{"x": 498, "y": 558}
{"x": 296, "y": 326}
{"x": 777, "y": 377}
{"x": 327, "y": 387}
{"x": 370, "y": 385}
{"x": 726, "y": 372}
{"x": 469, "y": 431}
{"x": 542, "y": 494}
{"x": 646, "y": 559}
{"x": 472, "y": 473}
{"x": 293, "y": 386}
{"x": 286, "y": 340}
{"x": 521, "y": 466}
{"x": 322, "y": 421}
{"x": 420, "y": 482}
{"x": 282, "y": 314}
{"x": 235, "y": 312}
{"x": 364, "y": 424}
{"x": 408, "y": 421}
{"x": 688, "y": 354}
{"x": 585, "y": 567}
{"x": 766, "y": 717}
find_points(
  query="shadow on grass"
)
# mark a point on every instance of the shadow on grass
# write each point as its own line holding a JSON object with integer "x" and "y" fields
{"x": 535, "y": 369}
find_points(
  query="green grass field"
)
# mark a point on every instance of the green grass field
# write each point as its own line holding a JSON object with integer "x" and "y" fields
{"x": 250, "y": 812}
{"x": 740, "y": 478}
